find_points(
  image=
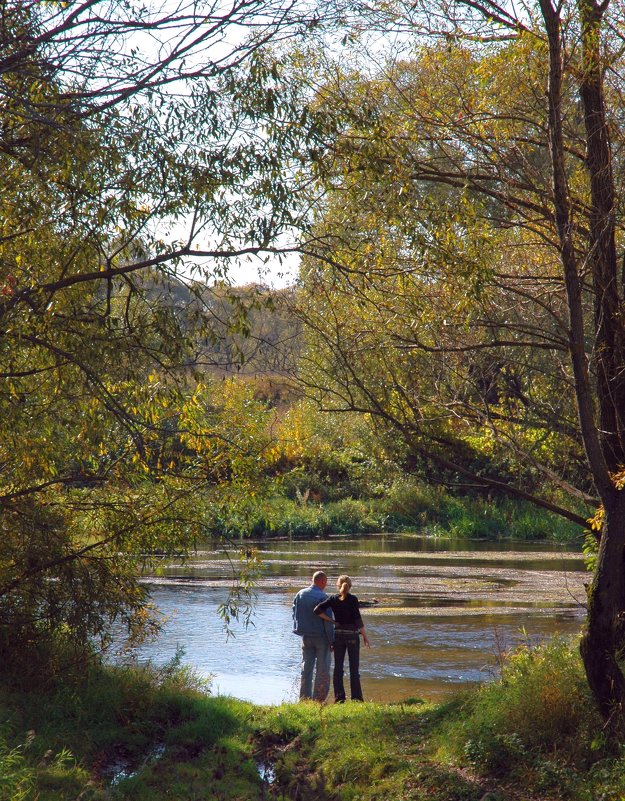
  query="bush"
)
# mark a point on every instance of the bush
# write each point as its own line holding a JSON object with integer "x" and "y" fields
{"x": 407, "y": 505}
{"x": 541, "y": 706}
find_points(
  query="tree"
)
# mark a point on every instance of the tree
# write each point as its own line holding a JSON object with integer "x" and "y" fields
{"x": 482, "y": 249}
{"x": 474, "y": 382}
{"x": 132, "y": 138}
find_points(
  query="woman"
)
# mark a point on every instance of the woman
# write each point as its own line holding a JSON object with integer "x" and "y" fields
{"x": 347, "y": 625}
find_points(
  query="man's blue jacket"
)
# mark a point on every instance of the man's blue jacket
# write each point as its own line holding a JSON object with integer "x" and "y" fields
{"x": 305, "y": 622}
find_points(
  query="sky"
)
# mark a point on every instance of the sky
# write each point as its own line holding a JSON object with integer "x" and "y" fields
{"x": 273, "y": 274}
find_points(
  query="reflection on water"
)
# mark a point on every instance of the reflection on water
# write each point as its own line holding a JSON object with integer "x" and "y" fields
{"x": 448, "y": 610}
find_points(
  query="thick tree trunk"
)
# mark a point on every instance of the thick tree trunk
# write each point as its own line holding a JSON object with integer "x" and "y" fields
{"x": 603, "y": 444}
{"x": 606, "y": 610}
{"x": 602, "y": 257}
{"x": 603, "y": 638}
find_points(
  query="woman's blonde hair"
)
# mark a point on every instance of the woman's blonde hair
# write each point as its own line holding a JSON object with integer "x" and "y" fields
{"x": 344, "y": 585}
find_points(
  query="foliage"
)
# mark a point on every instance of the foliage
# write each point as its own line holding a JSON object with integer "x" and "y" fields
{"x": 121, "y": 160}
{"x": 79, "y": 570}
{"x": 541, "y": 705}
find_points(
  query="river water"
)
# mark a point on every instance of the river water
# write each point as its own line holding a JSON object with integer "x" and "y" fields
{"x": 447, "y": 610}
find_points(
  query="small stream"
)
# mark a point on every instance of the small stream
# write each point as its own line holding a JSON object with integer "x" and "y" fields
{"x": 448, "y": 611}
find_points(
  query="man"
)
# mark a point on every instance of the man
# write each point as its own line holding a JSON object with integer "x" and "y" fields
{"x": 317, "y": 638}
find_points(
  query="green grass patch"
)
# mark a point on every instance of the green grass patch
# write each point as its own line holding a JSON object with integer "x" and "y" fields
{"x": 404, "y": 506}
{"x": 128, "y": 733}
{"x": 125, "y": 733}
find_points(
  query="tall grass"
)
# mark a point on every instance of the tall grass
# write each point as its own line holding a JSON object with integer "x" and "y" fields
{"x": 405, "y": 506}
{"x": 537, "y": 724}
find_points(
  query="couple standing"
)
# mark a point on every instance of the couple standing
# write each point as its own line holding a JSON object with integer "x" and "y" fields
{"x": 322, "y": 634}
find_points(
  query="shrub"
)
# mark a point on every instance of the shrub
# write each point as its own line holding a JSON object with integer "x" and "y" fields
{"x": 541, "y": 706}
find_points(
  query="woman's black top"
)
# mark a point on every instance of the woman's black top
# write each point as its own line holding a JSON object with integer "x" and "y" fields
{"x": 346, "y": 612}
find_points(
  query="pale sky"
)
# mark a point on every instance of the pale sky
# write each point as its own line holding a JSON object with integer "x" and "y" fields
{"x": 272, "y": 274}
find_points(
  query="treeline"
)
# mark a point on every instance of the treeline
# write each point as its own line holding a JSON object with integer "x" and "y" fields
{"x": 241, "y": 330}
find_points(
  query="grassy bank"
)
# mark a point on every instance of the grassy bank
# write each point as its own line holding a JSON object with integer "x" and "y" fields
{"x": 404, "y": 506}
{"x": 132, "y": 734}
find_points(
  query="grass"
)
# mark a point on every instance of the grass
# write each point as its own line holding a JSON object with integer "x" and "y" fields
{"x": 537, "y": 724}
{"x": 532, "y": 736}
{"x": 404, "y": 506}
{"x": 68, "y": 740}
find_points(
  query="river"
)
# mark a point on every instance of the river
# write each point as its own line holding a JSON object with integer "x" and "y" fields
{"x": 447, "y": 611}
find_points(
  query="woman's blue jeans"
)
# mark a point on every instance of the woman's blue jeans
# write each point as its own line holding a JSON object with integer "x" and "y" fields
{"x": 347, "y": 642}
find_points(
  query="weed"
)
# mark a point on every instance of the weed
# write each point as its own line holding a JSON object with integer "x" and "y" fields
{"x": 539, "y": 714}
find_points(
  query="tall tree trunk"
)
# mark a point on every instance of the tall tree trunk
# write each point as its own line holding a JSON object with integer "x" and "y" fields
{"x": 602, "y": 257}
{"x": 603, "y": 634}
{"x": 599, "y": 403}
{"x": 603, "y": 637}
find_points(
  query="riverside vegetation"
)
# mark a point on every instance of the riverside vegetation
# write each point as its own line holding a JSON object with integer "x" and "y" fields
{"x": 137, "y": 733}
{"x": 406, "y": 505}
{"x": 314, "y": 474}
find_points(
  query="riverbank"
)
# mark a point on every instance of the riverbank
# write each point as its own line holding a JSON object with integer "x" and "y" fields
{"x": 404, "y": 506}
{"x": 127, "y": 733}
